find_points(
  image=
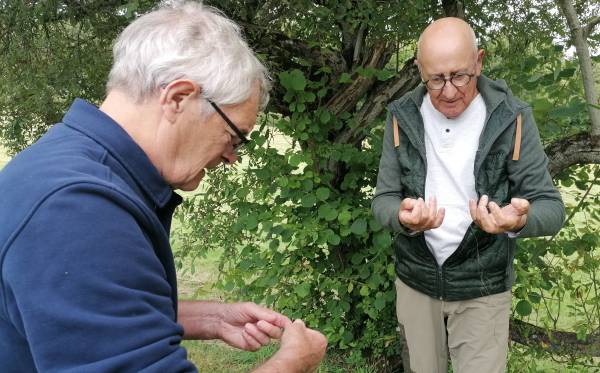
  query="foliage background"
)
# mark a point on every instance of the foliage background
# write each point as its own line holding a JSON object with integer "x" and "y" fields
{"x": 293, "y": 220}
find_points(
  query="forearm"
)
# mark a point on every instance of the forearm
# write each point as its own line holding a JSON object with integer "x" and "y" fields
{"x": 546, "y": 217}
{"x": 200, "y": 319}
{"x": 275, "y": 365}
{"x": 385, "y": 210}
{"x": 286, "y": 363}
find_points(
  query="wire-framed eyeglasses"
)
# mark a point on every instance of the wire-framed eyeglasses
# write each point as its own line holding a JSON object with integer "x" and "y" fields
{"x": 439, "y": 82}
{"x": 242, "y": 138}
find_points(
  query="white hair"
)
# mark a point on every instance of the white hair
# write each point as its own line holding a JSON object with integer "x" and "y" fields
{"x": 192, "y": 41}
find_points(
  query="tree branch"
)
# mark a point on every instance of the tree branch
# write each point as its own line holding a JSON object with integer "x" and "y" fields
{"x": 453, "y": 8}
{"x": 588, "y": 30}
{"x": 568, "y": 151}
{"x": 377, "y": 100}
{"x": 347, "y": 98}
{"x": 553, "y": 341}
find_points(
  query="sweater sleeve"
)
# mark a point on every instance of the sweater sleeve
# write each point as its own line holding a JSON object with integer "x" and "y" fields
{"x": 529, "y": 179}
{"x": 388, "y": 192}
{"x": 87, "y": 290}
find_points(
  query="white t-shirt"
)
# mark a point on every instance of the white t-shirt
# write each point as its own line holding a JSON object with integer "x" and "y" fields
{"x": 451, "y": 145}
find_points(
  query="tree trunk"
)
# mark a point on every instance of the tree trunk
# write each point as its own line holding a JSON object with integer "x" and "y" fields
{"x": 579, "y": 37}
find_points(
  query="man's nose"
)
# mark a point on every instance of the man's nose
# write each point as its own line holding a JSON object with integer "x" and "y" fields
{"x": 449, "y": 90}
{"x": 230, "y": 157}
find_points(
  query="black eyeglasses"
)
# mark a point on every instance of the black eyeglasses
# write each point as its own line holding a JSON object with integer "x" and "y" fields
{"x": 239, "y": 134}
{"x": 439, "y": 82}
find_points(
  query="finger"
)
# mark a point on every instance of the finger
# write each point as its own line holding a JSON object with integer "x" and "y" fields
{"x": 497, "y": 214}
{"x": 256, "y": 313}
{"x": 411, "y": 217}
{"x": 417, "y": 212}
{"x": 431, "y": 211}
{"x": 251, "y": 343}
{"x": 486, "y": 221}
{"x": 406, "y": 208}
{"x": 520, "y": 205}
{"x": 473, "y": 209}
{"x": 439, "y": 218}
{"x": 299, "y": 322}
{"x": 269, "y": 329}
{"x": 483, "y": 201}
{"x": 481, "y": 207}
{"x": 407, "y": 203}
{"x": 257, "y": 334}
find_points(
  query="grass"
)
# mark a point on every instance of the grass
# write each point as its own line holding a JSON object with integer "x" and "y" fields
{"x": 4, "y": 158}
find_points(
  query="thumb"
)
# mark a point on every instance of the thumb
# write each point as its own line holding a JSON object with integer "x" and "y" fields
{"x": 520, "y": 205}
{"x": 407, "y": 204}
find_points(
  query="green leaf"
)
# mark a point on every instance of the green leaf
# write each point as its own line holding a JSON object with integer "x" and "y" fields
{"x": 542, "y": 105}
{"x": 309, "y": 200}
{"x": 535, "y": 297}
{"x": 523, "y": 308}
{"x": 327, "y": 212}
{"x": 357, "y": 258}
{"x": 251, "y": 222}
{"x": 364, "y": 290}
{"x": 567, "y": 73}
{"x": 303, "y": 289}
{"x": 359, "y": 227}
{"x": 567, "y": 111}
{"x": 325, "y": 116}
{"x": 333, "y": 239}
{"x": 297, "y": 80}
{"x": 323, "y": 193}
{"x": 382, "y": 239}
{"x": 379, "y": 303}
{"x": 345, "y": 78}
{"x": 344, "y": 217}
{"x": 295, "y": 160}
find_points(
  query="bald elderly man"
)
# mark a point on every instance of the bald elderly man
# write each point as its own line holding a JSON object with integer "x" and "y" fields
{"x": 462, "y": 175}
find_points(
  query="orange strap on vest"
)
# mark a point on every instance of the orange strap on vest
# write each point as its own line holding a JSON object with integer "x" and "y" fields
{"x": 396, "y": 132}
{"x": 517, "y": 148}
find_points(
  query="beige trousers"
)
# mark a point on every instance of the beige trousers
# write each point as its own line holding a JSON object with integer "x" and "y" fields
{"x": 474, "y": 331}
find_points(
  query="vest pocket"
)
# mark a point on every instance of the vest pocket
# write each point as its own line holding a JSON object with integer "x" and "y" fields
{"x": 495, "y": 178}
{"x": 412, "y": 178}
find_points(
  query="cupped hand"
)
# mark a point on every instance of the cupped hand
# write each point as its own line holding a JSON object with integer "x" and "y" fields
{"x": 249, "y": 327}
{"x": 495, "y": 219}
{"x": 419, "y": 216}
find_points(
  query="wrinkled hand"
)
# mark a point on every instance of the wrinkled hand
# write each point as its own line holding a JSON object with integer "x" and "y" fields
{"x": 493, "y": 219}
{"x": 419, "y": 216}
{"x": 301, "y": 350}
{"x": 249, "y": 327}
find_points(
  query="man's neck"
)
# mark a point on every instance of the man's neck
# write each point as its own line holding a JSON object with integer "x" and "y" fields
{"x": 140, "y": 120}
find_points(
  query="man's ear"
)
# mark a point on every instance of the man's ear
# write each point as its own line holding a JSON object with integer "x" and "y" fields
{"x": 479, "y": 67}
{"x": 176, "y": 96}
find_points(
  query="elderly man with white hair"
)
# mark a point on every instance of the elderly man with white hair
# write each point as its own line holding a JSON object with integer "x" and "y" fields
{"x": 462, "y": 174}
{"x": 87, "y": 273}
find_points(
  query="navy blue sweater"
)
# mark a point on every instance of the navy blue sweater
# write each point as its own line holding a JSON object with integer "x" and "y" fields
{"x": 87, "y": 281}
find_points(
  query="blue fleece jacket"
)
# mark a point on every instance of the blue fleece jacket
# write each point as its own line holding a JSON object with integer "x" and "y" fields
{"x": 87, "y": 281}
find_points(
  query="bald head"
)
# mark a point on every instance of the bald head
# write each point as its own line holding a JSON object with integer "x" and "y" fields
{"x": 450, "y": 63}
{"x": 448, "y": 33}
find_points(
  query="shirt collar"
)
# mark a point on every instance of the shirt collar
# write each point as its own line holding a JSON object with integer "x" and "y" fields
{"x": 88, "y": 119}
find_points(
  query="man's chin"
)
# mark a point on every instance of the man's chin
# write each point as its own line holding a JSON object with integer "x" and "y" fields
{"x": 452, "y": 112}
{"x": 192, "y": 185}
